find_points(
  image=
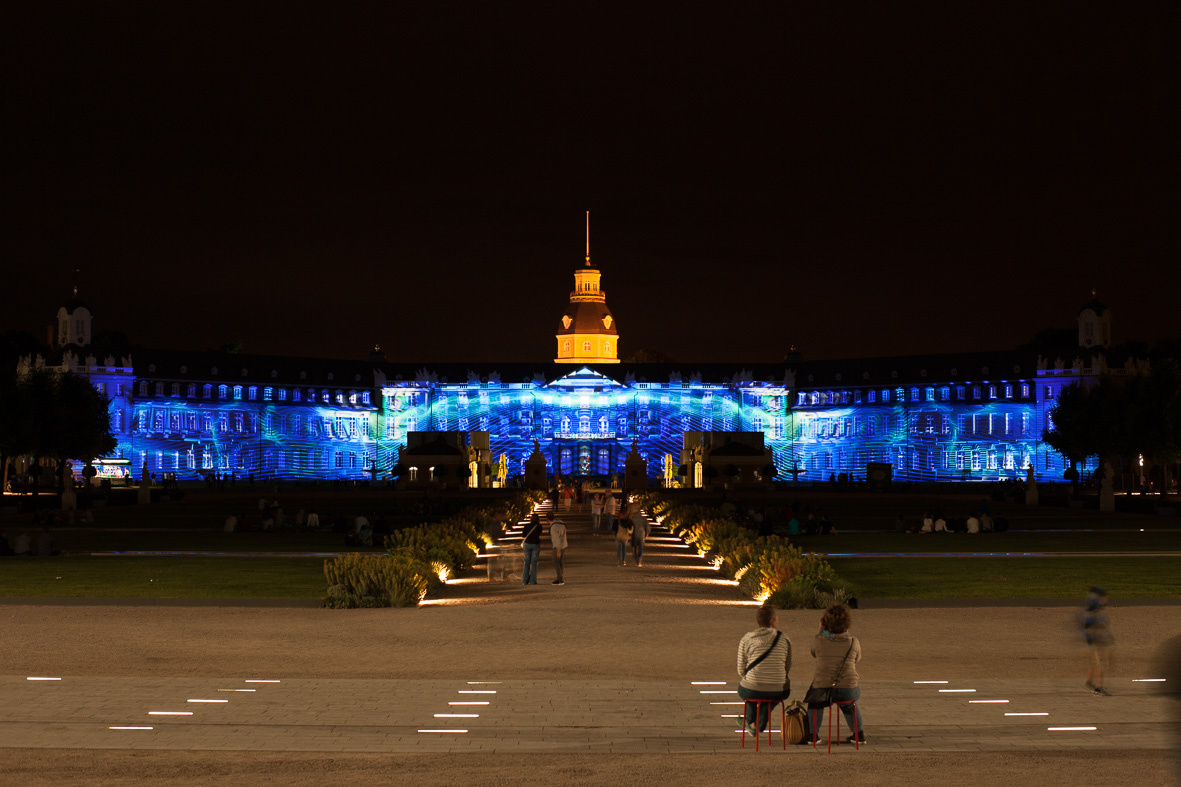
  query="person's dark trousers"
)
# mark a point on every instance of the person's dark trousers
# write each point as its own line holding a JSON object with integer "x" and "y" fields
{"x": 529, "y": 566}
{"x": 816, "y": 714}
{"x": 764, "y": 711}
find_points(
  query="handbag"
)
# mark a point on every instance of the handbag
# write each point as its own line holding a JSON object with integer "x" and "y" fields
{"x": 818, "y": 696}
{"x": 797, "y": 726}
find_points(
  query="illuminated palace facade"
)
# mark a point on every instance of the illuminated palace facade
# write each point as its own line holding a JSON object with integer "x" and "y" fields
{"x": 970, "y": 417}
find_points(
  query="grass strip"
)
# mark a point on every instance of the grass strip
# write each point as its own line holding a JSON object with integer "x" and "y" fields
{"x": 1011, "y": 577}
{"x": 164, "y": 577}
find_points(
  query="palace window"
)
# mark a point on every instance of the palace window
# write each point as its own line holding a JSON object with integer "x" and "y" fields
{"x": 191, "y": 393}
{"x": 586, "y": 347}
{"x": 606, "y": 348}
{"x": 976, "y": 395}
{"x": 237, "y": 422}
{"x": 945, "y": 393}
{"x": 159, "y": 389}
{"x": 252, "y": 392}
{"x": 930, "y": 394}
{"x": 237, "y": 392}
{"x": 176, "y": 389}
{"x": 871, "y": 396}
{"x": 992, "y": 392}
{"x": 281, "y": 394}
{"x": 566, "y": 347}
{"x": 857, "y": 397}
{"x": 959, "y": 392}
{"x": 1025, "y": 390}
{"x": 268, "y": 393}
{"x": 1008, "y": 392}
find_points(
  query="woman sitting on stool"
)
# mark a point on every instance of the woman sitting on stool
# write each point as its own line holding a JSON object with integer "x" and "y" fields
{"x": 837, "y": 652}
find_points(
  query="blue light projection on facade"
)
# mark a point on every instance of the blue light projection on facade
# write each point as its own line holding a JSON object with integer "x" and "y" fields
{"x": 585, "y": 422}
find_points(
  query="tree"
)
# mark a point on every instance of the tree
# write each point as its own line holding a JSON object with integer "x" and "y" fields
{"x": 53, "y": 416}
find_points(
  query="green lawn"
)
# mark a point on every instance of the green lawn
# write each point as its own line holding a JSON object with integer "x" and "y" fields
{"x": 201, "y": 541}
{"x": 163, "y": 577}
{"x": 1123, "y": 541}
{"x": 1011, "y": 577}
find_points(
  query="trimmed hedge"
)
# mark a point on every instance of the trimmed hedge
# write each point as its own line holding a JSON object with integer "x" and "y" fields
{"x": 768, "y": 568}
{"x": 420, "y": 558}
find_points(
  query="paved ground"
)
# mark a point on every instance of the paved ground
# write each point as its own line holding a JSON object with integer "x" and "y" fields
{"x": 614, "y": 666}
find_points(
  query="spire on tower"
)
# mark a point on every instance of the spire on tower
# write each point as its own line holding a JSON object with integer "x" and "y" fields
{"x": 588, "y": 239}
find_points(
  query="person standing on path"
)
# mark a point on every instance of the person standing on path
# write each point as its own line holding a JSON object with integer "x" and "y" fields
{"x": 557, "y": 534}
{"x": 764, "y": 664}
{"x": 640, "y": 529}
{"x": 609, "y": 509}
{"x": 532, "y": 545}
{"x": 1098, "y": 636}
{"x": 596, "y": 513}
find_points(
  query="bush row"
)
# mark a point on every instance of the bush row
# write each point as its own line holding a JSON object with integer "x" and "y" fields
{"x": 767, "y": 568}
{"x": 421, "y": 558}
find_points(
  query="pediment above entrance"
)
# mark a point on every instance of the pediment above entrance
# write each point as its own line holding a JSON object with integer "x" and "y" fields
{"x": 584, "y": 377}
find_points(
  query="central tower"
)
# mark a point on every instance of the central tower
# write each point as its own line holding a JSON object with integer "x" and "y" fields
{"x": 588, "y": 333}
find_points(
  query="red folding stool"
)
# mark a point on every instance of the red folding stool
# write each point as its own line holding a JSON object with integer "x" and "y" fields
{"x": 834, "y": 708}
{"x": 782, "y": 721}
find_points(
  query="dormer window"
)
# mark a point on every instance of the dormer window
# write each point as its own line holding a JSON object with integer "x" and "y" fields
{"x": 607, "y": 321}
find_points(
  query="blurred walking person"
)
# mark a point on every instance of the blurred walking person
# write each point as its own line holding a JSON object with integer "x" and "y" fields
{"x": 1098, "y": 636}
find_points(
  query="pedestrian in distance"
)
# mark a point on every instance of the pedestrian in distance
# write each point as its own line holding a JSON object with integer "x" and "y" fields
{"x": 596, "y": 513}
{"x": 557, "y": 534}
{"x": 532, "y": 546}
{"x": 623, "y": 537}
{"x": 640, "y": 529}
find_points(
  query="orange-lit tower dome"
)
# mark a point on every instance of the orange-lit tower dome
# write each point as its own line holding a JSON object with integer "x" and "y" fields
{"x": 588, "y": 333}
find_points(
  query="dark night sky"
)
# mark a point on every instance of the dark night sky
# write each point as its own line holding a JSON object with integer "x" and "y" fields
{"x": 887, "y": 179}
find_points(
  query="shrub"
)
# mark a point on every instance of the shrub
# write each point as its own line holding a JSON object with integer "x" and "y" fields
{"x": 357, "y": 580}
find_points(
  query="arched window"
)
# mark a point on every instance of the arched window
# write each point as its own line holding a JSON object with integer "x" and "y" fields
{"x": 237, "y": 392}
{"x": 586, "y": 347}
{"x": 222, "y": 391}
{"x": 566, "y": 346}
{"x": 606, "y": 348}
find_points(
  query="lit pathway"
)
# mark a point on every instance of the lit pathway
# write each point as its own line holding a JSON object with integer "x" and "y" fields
{"x": 549, "y": 716}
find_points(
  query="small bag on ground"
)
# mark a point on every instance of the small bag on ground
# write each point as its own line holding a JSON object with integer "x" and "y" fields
{"x": 796, "y": 728}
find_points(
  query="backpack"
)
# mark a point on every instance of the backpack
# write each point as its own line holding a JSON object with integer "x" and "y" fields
{"x": 624, "y": 531}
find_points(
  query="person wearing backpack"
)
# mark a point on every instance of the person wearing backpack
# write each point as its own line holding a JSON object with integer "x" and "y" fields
{"x": 764, "y": 664}
{"x": 623, "y": 537}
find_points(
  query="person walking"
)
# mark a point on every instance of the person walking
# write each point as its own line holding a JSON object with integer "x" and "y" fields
{"x": 623, "y": 537}
{"x": 596, "y": 513}
{"x": 609, "y": 508}
{"x": 837, "y": 652}
{"x": 557, "y": 534}
{"x": 640, "y": 529}
{"x": 532, "y": 544}
{"x": 1098, "y": 636}
{"x": 764, "y": 666}
{"x": 567, "y": 497}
